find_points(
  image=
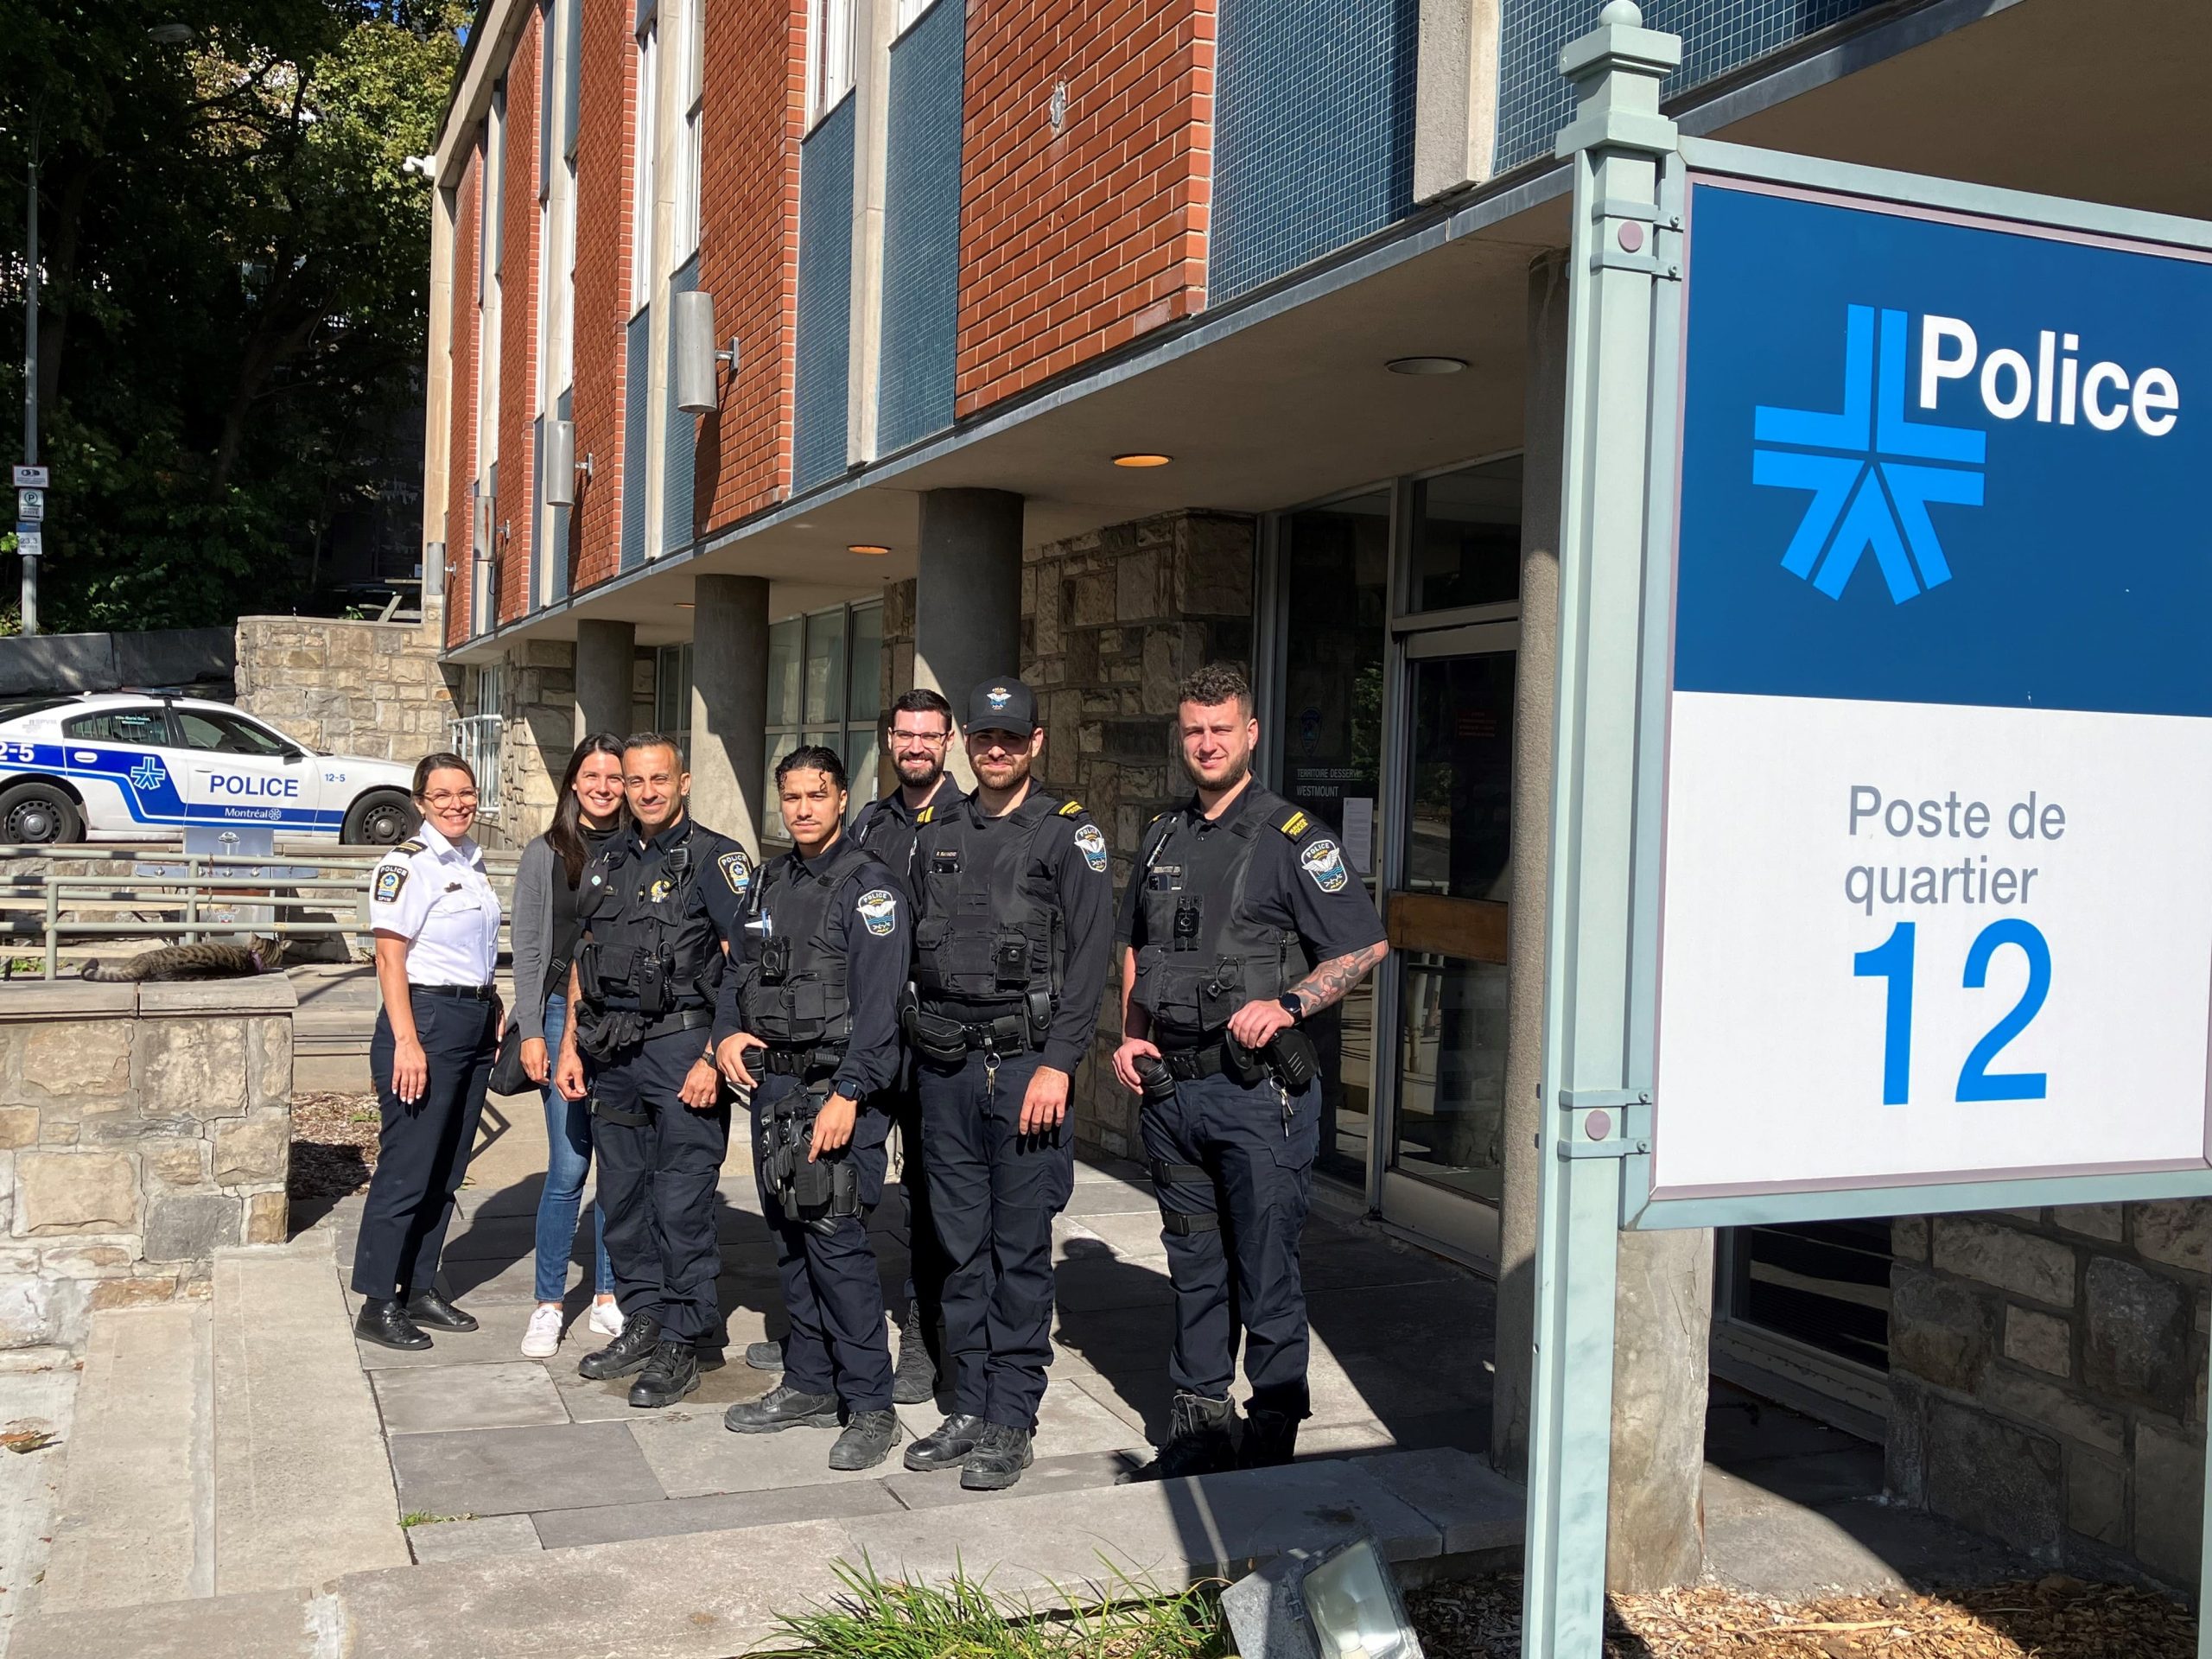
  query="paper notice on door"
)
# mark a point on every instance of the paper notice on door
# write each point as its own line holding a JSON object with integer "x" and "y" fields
{"x": 1359, "y": 832}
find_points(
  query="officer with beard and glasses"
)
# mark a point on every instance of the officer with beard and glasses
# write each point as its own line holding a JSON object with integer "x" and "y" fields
{"x": 1011, "y": 947}
{"x": 809, "y": 1022}
{"x": 1233, "y": 899}
{"x": 655, "y": 907}
{"x": 919, "y": 736}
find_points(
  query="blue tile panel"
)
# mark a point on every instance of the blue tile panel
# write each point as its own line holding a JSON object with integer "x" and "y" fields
{"x": 635, "y": 387}
{"x": 558, "y": 529}
{"x": 1313, "y": 131}
{"x": 824, "y": 332}
{"x": 921, "y": 230}
{"x": 1717, "y": 36}
{"x": 679, "y": 442}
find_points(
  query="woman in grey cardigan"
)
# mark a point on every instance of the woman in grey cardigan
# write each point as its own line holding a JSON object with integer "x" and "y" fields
{"x": 545, "y": 934}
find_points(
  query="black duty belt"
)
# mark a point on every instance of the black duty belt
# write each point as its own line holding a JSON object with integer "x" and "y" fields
{"x": 681, "y": 1019}
{"x": 1187, "y": 1065}
{"x": 938, "y": 1036}
{"x": 821, "y": 1059}
{"x": 478, "y": 993}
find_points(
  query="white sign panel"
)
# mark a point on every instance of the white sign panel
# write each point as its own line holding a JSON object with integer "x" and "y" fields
{"x": 30, "y": 478}
{"x": 30, "y": 541}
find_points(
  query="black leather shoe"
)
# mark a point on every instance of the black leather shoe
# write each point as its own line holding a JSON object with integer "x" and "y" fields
{"x": 1270, "y": 1437}
{"x": 915, "y": 1381}
{"x": 428, "y": 1307}
{"x": 867, "y": 1441}
{"x": 671, "y": 1373}
{"x": 781, "y": 1408}
{"x": 947, "y": 1445}
{"x": 626, "y": 1353}
{"x": 1001, "y": 1455}
{"x": 1197, "y": 1440}
{"x": 765, "y": 1356}
{"x": 384, "y": 1322}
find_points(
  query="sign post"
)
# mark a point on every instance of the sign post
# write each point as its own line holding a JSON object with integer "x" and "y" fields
{"x": 1884, "y": 750}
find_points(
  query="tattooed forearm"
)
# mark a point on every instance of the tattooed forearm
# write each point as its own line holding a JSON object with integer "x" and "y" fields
{"x": 1327, "y": 985}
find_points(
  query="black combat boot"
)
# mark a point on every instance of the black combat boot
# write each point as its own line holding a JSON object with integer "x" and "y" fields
{"x": 947, "y": 1445}
{"x": 1000, "y": 1454}
{"x": 1270, "y": 1437}
{"x": 384, "y": 1322}
{"x": 915, "y": 1381}
{"x": 1197, "y": 1440}
{"x": 671, "y": 1373}
{"x": 765, "y": 1356}
{"x": 428, "y": 1307}
{"x": 781, "y": 1408}
{"x": 867, "y": 1441}
{"x": 626, "y": 1353}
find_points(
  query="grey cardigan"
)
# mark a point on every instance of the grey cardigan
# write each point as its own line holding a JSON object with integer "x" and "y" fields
{"x": 539, "y": 868}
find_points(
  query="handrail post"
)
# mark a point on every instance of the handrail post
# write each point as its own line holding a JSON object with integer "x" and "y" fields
{"x": 53, "y": 925}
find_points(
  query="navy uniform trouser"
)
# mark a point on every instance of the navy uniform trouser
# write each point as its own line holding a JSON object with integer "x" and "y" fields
{"x": 926, "y": 1261}
{"x": 1235, "y": 1176}
{"x": 832, "y": 1292}
{"x": 656, "y": 1184}
{"x": 422, "y": 1150}
{"x": 993, "y": 1194}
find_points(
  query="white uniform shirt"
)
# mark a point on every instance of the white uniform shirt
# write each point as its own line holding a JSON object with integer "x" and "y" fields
{"x": 433, "y": 893}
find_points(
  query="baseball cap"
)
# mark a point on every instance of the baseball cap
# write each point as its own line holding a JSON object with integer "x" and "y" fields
{"x": 1002, "y": 706}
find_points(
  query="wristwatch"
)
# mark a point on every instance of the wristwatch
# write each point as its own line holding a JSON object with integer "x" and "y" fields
{"x": 1291, "y": 1007}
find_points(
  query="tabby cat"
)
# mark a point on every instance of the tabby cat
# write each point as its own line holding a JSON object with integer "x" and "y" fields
{"x": 211, "y": 959}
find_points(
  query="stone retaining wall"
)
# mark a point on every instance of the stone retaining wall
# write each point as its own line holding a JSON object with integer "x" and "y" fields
{"x": 141, "y": 1128}
{"x": 2048, "y": 1378}
{"x": 371, "y": 689}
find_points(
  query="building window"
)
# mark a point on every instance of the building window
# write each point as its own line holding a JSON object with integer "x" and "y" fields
{"x": 825, "y": 686}
{"x": 641, "y": 169}
{"x": 672, "y": 697}
{"x": 828, "y": 55}
{"x": 910, "y": 13}
{"x": 690, "y": 80}
{"x": 476, "y": 739}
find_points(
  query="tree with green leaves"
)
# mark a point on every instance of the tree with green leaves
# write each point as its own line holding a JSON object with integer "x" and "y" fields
{"x": 235, "y": 271}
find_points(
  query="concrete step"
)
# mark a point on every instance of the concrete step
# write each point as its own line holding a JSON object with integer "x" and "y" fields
{"x": 707, "y": 1595}
{"x": 137, "y": 1492}
{"x": 297, "y": 1433}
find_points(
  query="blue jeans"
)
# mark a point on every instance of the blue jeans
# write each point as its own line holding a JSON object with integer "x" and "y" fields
{"x": 567, "y": 1160}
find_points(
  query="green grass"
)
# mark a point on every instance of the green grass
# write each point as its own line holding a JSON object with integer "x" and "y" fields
{"x": 880, "y": 1618}
{"x": 424, "y": 1518}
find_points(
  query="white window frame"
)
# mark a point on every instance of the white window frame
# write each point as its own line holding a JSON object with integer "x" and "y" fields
{"x": 829, "y": 55}
{"x": 643, "y": 181}
{"x": 910, "y": 13}
{"x": 691, "y": 86}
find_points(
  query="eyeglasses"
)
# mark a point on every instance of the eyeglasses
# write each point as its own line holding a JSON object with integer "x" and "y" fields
{"x": 934, "y": 739}
{"x": 466, "y": 797}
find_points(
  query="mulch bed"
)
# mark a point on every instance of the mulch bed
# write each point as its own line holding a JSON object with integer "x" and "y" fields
{"x": 333, "y": 1144}
{"x": 2056, "y": 1617}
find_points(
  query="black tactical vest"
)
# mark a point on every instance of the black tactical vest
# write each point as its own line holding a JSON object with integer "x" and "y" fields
{"x": 792, "y": 985}
{"x": 1205, "y": 955}
{"x": 988, "y": 934}
{"x": 644, "y": 952}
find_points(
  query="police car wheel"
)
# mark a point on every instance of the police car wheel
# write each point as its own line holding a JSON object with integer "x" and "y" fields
{"x": 37, "y": 815}
{"x": 383, "y": 818}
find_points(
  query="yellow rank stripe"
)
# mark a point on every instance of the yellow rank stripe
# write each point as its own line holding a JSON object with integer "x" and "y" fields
{"x": 923, "y": 816}
{"x": 1070, "y": 809}
{"x": 1296, "y": 825}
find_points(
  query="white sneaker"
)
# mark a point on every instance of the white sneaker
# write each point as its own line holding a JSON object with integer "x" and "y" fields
{"x": 607, "y": 1318}
{"x": 543, "y": 1340}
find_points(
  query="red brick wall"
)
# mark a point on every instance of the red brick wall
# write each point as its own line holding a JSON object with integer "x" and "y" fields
{"x": 605, "y": 102}
{"x": 1071, "y": 245}
{"x": 461, "y": 451}
{"x": 519, "y": 322}
{"x": 753, "y": 117}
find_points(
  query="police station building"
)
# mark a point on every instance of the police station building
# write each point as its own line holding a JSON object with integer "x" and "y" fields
{"x": 786, "y": 355}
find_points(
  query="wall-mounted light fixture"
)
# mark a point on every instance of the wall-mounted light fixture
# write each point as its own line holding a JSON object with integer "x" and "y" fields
{"x": 696, "y": 353}
{"x": 562, "y": 465}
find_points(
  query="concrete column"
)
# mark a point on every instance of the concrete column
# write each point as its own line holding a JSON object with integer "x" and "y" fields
{"x": 967, "y": 595}
{"x": 729, "y": 704}
{"x": 1664, "y": 1306}
{"x": 606, "y": 658}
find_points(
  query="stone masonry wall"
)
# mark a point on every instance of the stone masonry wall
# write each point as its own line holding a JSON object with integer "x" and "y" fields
{"x": 2048, "y": 1378}
{"x": 371, "y": 689}
{"x": 1111, "y": 622}
{"x": 539, "y": 734}
{"x": 141, "y": 1128}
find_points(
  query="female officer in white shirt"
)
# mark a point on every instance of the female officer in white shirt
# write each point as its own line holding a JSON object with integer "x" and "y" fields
{"x": 436, "y": 922}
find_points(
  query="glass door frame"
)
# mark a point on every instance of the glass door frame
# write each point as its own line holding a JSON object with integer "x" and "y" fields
{"x": 1462, "y": 1225}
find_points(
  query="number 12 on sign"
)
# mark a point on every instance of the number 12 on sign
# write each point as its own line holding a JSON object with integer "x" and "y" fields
{"x": 1892, "y": 960}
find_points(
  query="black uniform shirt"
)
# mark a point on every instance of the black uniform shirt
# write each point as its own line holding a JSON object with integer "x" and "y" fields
{"x": 718, "y": 877}
{"x": 1082, "y": 882}
{"x": 1303, "y": 882}
{"x": 886, "y": 828}
{"x": 868, "y": 925}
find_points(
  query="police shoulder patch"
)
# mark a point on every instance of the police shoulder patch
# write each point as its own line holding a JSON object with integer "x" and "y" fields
{"x": 1070, "y": 809}
{"x": 737, "y": 870}
{"x": 1092, "y": 845}
{"x": 390, "y": 878}
{"x": 878, "y": 911}
{"x": 1296, "y": 825}
{"x": 1324, "y": 861}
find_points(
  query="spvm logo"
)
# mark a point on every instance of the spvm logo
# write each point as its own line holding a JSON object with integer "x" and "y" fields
{"x": 148, "y": 776}
{"x": 1874, "y": 471}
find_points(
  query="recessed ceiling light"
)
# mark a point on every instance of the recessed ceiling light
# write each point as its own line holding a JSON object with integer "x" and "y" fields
{"x": 873, "y": 549}
{"x": 1142, "y": 460}
{"x": 686, "y": 605}
{"x": 1426, "y": 365}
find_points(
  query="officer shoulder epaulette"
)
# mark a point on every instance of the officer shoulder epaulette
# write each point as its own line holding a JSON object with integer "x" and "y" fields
{"x": 1296, "y": 824}
{"x": 925, "y": 815}
{"x": 410, "y": 847}
{"x": 1070, "y": 809}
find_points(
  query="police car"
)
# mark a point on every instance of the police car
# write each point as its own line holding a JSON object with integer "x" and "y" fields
{"x": 124, "y": 766}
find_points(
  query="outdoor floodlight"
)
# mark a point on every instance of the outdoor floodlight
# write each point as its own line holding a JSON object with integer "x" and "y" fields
{"x": 1340, "y": 1603}
{"x": 561, "y": 464}
{"x": 691, "y": 318}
